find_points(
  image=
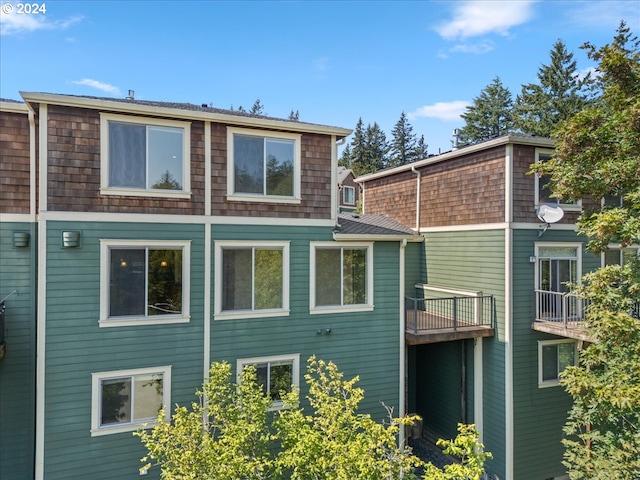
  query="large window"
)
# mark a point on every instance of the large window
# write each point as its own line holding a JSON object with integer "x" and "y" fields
{"x": 276, "y": 375}
{"x": 341, "y": 276}
{"x": 252, "y": 279}
{"x": 144, "y": 282}
{"x": 124, "y": 400}
{"x": 264, "y": 167}
{"x": 553, "y": 357}
{"x": 543, "y": 192}
{"x": 144, "y": 156}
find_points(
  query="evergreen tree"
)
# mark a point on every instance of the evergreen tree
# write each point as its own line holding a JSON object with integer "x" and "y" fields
{"x": 377, "y": 149}
{"x": 420, "y": 151}
{"x": 257, "y": 108}
{"x": 490, "y": 116}
{"x": 294, "y": 116}
{"x": 346, "y": 157}
{"x": 403, "y": 144}
{"x": 559, "y": 95}
{"x": 357, "y": 149}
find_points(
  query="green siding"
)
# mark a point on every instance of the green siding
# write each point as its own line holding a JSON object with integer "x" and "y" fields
{"x": 17, "y": 368}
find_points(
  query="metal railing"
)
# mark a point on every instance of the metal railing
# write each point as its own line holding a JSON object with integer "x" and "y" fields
{"x": 558, "y": 307}
{"x": 451, "y": 312}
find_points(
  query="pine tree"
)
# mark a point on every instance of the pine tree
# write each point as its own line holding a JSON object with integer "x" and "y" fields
{"x": 257, "y": 108}
{"x": 294, "y": 116}
{"x": 420, "y": 151}
{"x": 559, "y": 95}
{"x": 346, "y": 157}
{"x": 357, "y": 149}
{"x": 377, "y": 149}
{"x": 490, "y": 116}
{"x": 403, "y": 144}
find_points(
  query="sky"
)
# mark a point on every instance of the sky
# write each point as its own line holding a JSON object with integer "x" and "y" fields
{"x": 332, "y": 61}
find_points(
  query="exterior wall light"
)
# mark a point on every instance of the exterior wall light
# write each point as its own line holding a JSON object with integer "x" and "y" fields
{"x": 70, "y": 239}
{"x": 20, "y": 239}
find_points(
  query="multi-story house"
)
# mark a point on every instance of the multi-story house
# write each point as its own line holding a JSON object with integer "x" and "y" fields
{"x": 141, "y": 241}
{"x": 348, "y": 190}
{"x": 491, "y": 228}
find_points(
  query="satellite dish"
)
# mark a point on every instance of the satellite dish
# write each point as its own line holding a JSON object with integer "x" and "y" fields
{"x": 549, "y": 214}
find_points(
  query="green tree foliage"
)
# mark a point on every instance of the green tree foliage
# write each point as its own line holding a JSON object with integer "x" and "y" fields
{"x": 257, "y": 108}
{"x": 294, "y": 116}
{"x": 403, "y": 145}
{"x": 558, "y": 95}
{"x": 490, "y": 116}
{"x": 367, "y": 152}
{"x": 420, "y": 151}
{"x": 167, "y": 182}
{"x": 598, "y": 153}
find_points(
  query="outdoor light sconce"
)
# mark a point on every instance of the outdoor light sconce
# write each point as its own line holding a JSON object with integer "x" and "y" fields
{"x": 20, "y": 239}
{"x": 70, "y": 239}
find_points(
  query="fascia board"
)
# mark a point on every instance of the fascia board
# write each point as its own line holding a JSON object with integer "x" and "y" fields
{"x": 13, "y": 107}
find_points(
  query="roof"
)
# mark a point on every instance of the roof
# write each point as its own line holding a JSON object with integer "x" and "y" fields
{"x": 518, "y": 139}
{"x": 355, "y": 226}
{"x": 343, "y": 172}
{"x": 181, "y": 110}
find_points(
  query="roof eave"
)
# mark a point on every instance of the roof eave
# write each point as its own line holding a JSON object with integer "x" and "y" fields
{"x": 140, "y": 109}
{"x": 13, "y": 107}
{"x": 346, "y": 237}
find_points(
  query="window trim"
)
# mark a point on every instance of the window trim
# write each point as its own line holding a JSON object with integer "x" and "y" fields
{"x": 578, "y": 258}
{"x": 130, "y": 321}
{"x": 315, "y": 309}
{"x": 96, "y": 397}
{"x": 297, "y": 170}
{"x": 618, "y": 247}
{"x": 346, "y": 188}
{"x": 569, "y": 207}
{"x": 105, "y": 189}
{"x": 544, "y": 343}
{"x": 295, "y": 374}
{"x": 220, "y": 314}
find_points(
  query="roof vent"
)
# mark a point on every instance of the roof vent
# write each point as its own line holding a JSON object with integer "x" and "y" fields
{"x": 456, "y": 139}
{"x": 131, "y": 95}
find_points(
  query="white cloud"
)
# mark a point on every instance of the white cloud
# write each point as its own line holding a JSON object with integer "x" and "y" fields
{"x": 582, "y": 74}
{"x": 604, "y": 15}
{"x": 480, "y": 17}
{"x": 441, "y": 110}
{"x": 480, "y": 48}
{"x": 13, "y": 24}
{"x": 105, "y": 87}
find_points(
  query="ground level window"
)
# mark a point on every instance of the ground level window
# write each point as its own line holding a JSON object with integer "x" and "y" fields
{"x": 123, "y": 400}
{"x": 553, "y": 357}
{"x": 276, "y": 375}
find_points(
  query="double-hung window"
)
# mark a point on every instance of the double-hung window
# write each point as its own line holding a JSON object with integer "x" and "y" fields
{"x": 341, "y": 277}
{"x": 252, "y": 279}
{"x": 144, "y": 282}
{"x": 263, "y": 166}
{"x": 348, "y": 195}
{"x": 124, "y": 400}
{"x": 142, "y": 156}
{"x": 543, "y": 192}
{"x": 553, "y": 357}
{"x": 275, "y": 375}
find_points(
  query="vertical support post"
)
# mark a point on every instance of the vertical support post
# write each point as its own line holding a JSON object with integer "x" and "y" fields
{"x": 455, "y": 313}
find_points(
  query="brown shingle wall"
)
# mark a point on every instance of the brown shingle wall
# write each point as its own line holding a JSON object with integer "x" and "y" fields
{"x": 394, "y": 196}
{"x": 74, "y": 169}
{"x": 14, "y": 163}
{"x": 315, "y": 181}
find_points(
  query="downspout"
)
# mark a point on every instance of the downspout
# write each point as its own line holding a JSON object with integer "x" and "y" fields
{"x": 418, "y": 185}
{"x": 335, "y": 204}
{"x": 403, "y": 360}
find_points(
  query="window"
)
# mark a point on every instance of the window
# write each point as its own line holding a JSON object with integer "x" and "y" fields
{"x": 620, "y": 256}
{"x": 543, "y": 192}
{"x": 124, "y": 400}
{"x": 252, "y": 279}
{"x": 263, "y": 167}
{"x": 144, "y": 282}
{"x": 558, "y": 265}
{"x": 348, "y": 195}
{"x": 276, "y": 374}
{"x": 553, "y": 357}
{"x": 144, "y": 156}
{"x": 341, "y": 277}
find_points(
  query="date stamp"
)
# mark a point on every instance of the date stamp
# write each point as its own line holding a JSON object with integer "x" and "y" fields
{"x": 24, "y": 8}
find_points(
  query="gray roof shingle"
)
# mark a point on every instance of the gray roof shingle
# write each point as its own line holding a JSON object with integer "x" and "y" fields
{"x": 374, "y": 225}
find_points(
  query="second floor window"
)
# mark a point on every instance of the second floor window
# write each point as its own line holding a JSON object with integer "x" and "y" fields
{"x": 543, "y": 192}
{"x": 348, "y": 195}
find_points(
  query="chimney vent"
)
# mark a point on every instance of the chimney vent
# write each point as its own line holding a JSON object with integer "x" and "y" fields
{"x": 456, "y": 138}
{"x": 131, "y": 95}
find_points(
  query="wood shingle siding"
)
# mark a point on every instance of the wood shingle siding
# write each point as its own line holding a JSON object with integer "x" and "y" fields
{"x": 14, "y": 156}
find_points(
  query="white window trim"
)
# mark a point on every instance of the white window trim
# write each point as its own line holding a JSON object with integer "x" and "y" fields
{"x": 545, "y": 343}
{"x": 313, "y": 308}
{"x": 105, "y": 245}
{"x": 577, "y": 258}
{"x": 297, "y": 170}
{"x": 219, "y": 314}
{"x": 345, "y": 188}
{"x": 96, "y": 379}
{"x": 295, "y": 374}
{"x": 569, "y": 207}
{"x": 619, "y": 247}
{"x": 105, "y": 189}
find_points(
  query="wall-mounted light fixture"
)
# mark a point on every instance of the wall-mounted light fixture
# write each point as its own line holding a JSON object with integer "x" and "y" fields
{"x": 70, "y": 239}
{"x": 20, "y": 239}
{"x": 532, "y": 259}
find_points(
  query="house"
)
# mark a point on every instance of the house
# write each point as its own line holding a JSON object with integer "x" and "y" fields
{"x": 140, "y": 241}
{"x": 348, "y": 190}
{"x": 483, "y": 220}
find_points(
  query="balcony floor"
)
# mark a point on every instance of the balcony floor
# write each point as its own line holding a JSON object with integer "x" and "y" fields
{"x": 574, "y": 329}
{"x": 438, "y": 328}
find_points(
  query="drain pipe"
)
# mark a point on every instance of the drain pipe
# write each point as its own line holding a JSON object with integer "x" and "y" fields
{"x": 418, "y": 184}
{"x": 403, "y": 360}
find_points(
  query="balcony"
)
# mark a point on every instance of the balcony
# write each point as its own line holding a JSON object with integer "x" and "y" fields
{"x": 444, "y": 319}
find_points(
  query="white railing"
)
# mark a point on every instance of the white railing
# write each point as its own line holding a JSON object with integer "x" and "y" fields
{"x": 558, "y": 307}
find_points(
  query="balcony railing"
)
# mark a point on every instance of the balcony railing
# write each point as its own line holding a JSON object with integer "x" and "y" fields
{"x": 565, "y": 309}
{"x": 454, "y": 313}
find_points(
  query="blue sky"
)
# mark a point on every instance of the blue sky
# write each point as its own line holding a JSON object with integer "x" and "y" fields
{"x": 333, "y": 61}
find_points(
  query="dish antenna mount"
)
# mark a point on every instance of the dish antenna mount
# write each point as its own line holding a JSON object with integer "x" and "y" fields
{"x": 548, "y": 214}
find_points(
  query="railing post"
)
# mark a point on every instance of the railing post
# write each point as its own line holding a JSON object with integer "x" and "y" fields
{"x": 455, "y": 313}
{"x": 565, "y": 307}
{"x": 477, "y": 314}
{"x": 415, "y": 316}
